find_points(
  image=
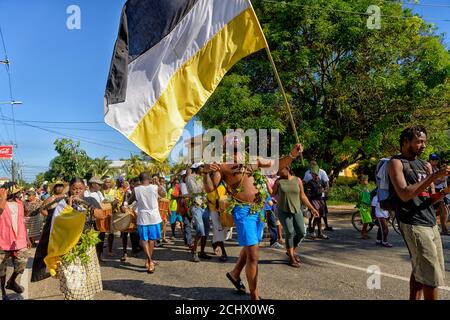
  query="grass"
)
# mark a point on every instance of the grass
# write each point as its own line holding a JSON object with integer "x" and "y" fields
{"x": 339, "y": 203}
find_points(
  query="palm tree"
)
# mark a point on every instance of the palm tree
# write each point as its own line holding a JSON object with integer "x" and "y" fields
{"x": 134, "y": 166}
{"x": 100, "y": 166}
{"x": 155, "y": 167}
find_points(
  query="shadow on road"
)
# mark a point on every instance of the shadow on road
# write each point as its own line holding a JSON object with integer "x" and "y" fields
{"x": 141, "y": 290}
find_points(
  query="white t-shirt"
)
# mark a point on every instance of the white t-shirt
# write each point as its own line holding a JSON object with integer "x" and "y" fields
{"x": 379, "y": 213}
{"x": 96, "y": 195}
{"x": 14, "y": 210}
{"x": 147, "y": 205}
{"x": 322, "y": 176}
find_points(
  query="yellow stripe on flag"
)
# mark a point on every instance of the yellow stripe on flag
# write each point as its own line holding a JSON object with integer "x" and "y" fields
{"x": 192, "y": 85}
{"x": 65, "y": 234}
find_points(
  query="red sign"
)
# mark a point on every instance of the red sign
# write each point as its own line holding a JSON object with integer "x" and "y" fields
{"x": 6, "y": 152}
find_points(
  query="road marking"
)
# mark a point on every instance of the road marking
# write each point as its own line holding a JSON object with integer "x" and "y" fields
{"x": 348, "y": 266}
{"x": 179, "y": 296}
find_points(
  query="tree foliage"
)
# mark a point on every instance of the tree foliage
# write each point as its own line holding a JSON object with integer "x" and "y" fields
{"x": 352, "y": 89}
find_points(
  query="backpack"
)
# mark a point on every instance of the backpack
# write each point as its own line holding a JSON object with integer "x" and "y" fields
{"x": 385, "y": 195}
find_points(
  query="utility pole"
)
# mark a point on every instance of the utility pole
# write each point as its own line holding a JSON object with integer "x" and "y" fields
{"x": 13, "y": 171}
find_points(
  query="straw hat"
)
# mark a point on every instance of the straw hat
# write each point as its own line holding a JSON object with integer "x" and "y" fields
{"x": 56, "y": 183}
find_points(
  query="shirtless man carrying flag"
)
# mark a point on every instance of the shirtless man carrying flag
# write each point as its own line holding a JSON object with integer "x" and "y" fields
{"x": 240, "y": 183}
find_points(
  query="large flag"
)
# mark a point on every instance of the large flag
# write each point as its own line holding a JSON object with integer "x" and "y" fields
{"x": 169, "y": 57}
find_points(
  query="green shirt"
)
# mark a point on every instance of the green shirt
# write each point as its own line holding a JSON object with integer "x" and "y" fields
{"x": 289, "y": 195}
{"x": 173, "y": 202}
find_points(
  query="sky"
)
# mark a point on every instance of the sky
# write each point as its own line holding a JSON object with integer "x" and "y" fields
{"x": 60, "y": 76}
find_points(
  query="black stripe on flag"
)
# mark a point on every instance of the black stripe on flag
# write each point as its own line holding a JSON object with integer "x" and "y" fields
{"x": 144, "y": 23}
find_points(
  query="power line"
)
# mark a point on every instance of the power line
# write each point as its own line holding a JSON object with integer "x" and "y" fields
{"x": 9, "y": 77}
{"x": 51, "y": 128}
{"x": 68, "y": 128}
{"x": 432, "y": 5}
{"x": 83, "y": 139}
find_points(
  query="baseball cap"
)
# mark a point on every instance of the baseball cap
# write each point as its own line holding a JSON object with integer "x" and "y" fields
{"x": 433, "y": 156}
{"x": 197, "y": 164}
{"x": 95, "y": 179}
{"x": 315, "y": 169}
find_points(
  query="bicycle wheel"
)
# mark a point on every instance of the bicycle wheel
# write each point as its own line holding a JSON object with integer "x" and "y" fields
{"x": 357, "y": 222}
{"x": 395, "y": 225}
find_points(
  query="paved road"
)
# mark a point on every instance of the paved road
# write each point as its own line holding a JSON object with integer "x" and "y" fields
{"x": 331, "y": 269}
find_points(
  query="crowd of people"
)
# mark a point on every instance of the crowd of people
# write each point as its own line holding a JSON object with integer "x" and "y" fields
{"x": 200, "y": 199}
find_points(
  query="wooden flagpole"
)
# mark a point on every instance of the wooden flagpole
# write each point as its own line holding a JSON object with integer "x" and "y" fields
{"x": 277, "y": 76}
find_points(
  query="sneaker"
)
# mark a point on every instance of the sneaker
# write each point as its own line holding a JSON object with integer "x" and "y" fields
{"x": 165, "y": 241}
{"x": 203, "y": 255}
{"x": 386, "y": 244}
{"x": 276, "y": 245}
{"x": 379, "y": 242}
{"x": 195, "y": 257}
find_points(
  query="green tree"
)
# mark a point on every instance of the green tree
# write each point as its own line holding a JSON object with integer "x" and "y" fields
{"x": 71, "y": 161}
{"x": 100, "y": 166}
{"x": 134, "y": 166}
{"x": 156, "y": 167}
{"x": 352, "y": 89}
{"x": 39, "y": 180}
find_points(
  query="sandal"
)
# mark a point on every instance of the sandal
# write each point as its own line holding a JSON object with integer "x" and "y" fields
{"x": 151, "y": 268}
{"x": 16, "y": 288}
{"x": 294, "y": 264}
{"x": 236, "y": 283}
{"x": 124, "y": 258}
{"x": 296, "y": 257}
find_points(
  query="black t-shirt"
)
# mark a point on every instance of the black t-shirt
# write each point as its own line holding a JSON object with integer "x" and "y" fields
{"x": 419, "y": 210}
{"x": 314, "y": 189}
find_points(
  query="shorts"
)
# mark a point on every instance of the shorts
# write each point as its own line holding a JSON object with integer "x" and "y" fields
{"x": 249, "y": 226}
{"x": 149, "y": 232}
{"x": 379, "y": 213}
{"x": 425, "y": 249}
{"x": 19, "y": 259}
{"x": 200, "y": 221}
{"x": 320, "y": 206}
{"x": 174, "y": 217}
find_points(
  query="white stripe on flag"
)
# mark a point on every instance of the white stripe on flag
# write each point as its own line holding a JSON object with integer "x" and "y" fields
{"x": 149, "y": 74}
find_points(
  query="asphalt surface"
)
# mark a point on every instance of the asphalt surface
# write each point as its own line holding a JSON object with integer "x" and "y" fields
{"x": 343, "y": 267}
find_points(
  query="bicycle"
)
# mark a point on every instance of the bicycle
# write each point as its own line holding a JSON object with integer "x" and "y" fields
{"x": 357, "y": 223}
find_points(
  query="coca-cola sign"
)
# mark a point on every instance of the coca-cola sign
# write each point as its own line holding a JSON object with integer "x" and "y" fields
{"x": 6, "y": 152}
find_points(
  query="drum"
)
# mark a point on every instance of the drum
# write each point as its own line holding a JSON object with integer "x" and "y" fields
{"x": 124, "y": 221}
{"x": 104, "y": 225}
{"x": 226, "y": 219}
{"x": 164, "y": 205}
